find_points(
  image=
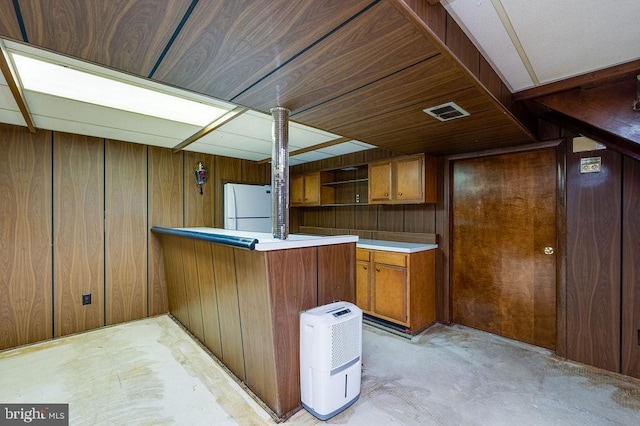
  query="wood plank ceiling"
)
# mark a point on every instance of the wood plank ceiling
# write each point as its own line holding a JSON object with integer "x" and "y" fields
{"x": 361, "y": 69}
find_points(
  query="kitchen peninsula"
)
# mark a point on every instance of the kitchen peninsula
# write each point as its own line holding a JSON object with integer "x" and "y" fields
{"x": 240, "y": 293}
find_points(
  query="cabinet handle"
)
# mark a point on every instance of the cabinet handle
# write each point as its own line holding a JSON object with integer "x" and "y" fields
{"x": 364, "y": 267}
{"x": 386, "y": 194}
{"x": 400, "y": 194}
{"x": 377, "y": 269}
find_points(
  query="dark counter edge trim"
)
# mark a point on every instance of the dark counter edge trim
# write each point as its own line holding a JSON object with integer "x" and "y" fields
{"x": 228, "y": 240}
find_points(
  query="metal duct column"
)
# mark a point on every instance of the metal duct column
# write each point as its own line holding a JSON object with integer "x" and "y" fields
{"x": 280, "y": 172}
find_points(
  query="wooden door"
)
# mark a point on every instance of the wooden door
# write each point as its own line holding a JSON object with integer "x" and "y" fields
{"x": 410, "y": 179}
{"x": 504, "y": 216}
{"x": 379, "y": 182}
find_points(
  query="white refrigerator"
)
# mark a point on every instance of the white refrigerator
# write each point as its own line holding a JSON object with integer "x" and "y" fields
{"x": 247, "y": 207}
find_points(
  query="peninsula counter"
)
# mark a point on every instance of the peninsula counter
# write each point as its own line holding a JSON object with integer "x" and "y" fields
{"x": 241, "y": 294}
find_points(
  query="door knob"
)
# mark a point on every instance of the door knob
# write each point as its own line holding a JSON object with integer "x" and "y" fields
{"x": 548, "y": 250}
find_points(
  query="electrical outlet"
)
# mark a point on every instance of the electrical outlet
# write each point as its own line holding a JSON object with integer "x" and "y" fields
{"x": 86, "y": 299}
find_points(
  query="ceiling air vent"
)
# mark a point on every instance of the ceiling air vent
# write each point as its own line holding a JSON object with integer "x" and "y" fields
{"x": 446, "y": 112}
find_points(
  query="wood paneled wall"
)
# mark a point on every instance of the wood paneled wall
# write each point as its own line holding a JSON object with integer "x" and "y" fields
{"x": 75, "y": 218}
{"x": 631, "y": 268}
{"x": 125, "y": 231}
{"x": 593, "y": 260}
{"x": 25, "y": 236}
{"x": 78, "y": 213}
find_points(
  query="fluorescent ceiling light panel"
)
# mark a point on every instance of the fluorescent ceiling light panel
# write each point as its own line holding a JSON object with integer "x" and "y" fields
{"x": 57, "y": 80}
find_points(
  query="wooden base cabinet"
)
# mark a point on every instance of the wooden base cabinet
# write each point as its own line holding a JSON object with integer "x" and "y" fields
{"x": 397, "y": 287}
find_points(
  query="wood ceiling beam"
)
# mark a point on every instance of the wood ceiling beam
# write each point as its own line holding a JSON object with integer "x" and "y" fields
{"x": 611, "y": 140}
{"x": 433, "y": 2}
{"x": 604, "y": 113}
{"x": 603, "y": 76}
{"x": 215, "y": 124}
{"x": 16, "y": 89}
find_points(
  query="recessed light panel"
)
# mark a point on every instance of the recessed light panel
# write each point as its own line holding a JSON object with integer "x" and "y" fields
{"x": 57, "y": 80}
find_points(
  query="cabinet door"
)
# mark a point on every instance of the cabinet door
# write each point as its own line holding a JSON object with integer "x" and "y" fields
{"x": 379, "y": 182}
{"x": 296, "y": 194}
{"x": 410, "y": 179}
{"x": 390, "y": 292}
{"x": 312, "y": 189}
{"x": 363, "y": 274}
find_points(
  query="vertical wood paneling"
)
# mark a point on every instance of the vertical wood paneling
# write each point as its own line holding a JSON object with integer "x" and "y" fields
{"x": 631, "y": 268}
{"x": 192, "y": 287}
{"x": 593, "y": 261}
{"x": 126, "y": 231}
{"x": 227, "y": 291}
{"x": 367, "y": 217}
{"x": 336, "y": 269}
{"x": 255, "y": 173}
{"x": 292, "y": 285}
{"x": 419, "y": 218}
{"x": 174, "y": 269}
{"x": 434, "y": 16}
{"x": 198, "y": 209}
{"x": 257, "y": 327}
{"x": 226, "y": 170}
{"x": 345, "y": 217}
{"x": 209, "y": 297}
{"x": 462, "y": 47}
{"x": 25, "y": 236}
{"x": 165, "y": 209}
{"x": 78, "y": 176}
{"x": 391, "y": 218}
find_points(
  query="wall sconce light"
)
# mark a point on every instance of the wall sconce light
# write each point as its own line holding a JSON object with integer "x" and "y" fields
{"x": 201, "y": 175}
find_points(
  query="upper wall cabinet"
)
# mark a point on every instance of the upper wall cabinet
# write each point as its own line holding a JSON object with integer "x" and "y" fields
{"x": 305, "y": 190}
{"x": 403, "y": 180}
{"x": 337, "y": 187}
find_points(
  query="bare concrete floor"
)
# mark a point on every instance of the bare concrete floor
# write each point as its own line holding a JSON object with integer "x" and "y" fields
{"x": 150, "y": 372}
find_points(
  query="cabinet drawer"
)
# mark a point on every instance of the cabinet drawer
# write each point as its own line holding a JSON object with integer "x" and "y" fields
{"x": 390, "y": 258}
{"x": 362, "y": 254}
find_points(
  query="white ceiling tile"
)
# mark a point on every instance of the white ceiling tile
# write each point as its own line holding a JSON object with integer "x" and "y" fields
{"x": 88, "y": 129}
{"x": 12, "y": 117}
{"x": 483, "y": 26}
{"x": 237, "y": 141}
{"x": 572, "y": 37}
{"x": 42, "y": 105}
{"x": 304, "y": 136}
{"x": 224, "y": 151}
{"x": 6, "y": 98}
{"x": 312, "y": 156}
{"x": 295, "y": 161}
{"x": 252, "y": 124}
{"x": 343, "y": 148}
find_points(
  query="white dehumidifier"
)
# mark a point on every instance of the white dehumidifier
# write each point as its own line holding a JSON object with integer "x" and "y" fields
{"x": 330, "y": 352}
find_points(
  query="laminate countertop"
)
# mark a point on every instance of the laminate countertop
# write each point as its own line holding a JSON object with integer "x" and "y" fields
{"x": 396, "y": 246}
{"x": 256, "y": 240}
